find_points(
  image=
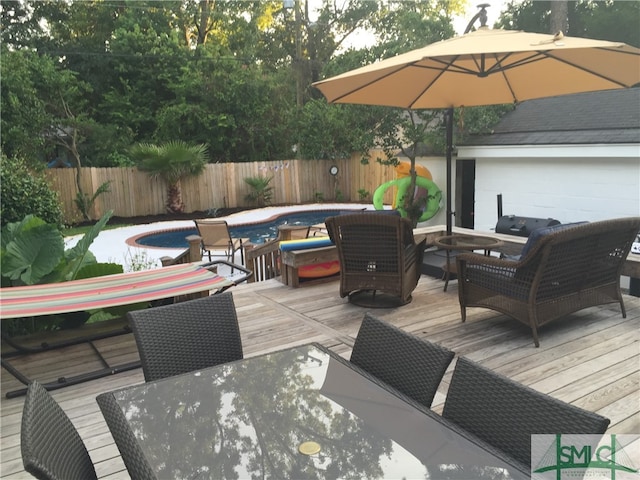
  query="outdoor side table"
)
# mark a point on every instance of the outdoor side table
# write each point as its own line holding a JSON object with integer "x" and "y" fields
{"x": 450, "y": 243}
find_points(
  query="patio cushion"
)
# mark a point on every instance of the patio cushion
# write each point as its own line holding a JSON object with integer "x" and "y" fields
{"x": 305, "y": 243}
{"x": 538, "y": 233}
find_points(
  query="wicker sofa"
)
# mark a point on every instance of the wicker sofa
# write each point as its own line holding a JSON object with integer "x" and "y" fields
{"x": 567, "y": 269}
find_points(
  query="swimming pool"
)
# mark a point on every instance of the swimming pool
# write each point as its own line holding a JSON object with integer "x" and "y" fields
{"x": 257, "y": 232}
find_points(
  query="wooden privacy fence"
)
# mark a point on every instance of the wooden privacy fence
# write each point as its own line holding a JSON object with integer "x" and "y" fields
{"x": 134, "y": 193}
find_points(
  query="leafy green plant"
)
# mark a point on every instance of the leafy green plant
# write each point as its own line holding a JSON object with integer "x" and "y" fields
{"x": 172, "y": 162}
{"x": 363, "y": 194}
{"x": 339, "y": 195}
{"x": 319, "y": 196}
{"x": 85, "y": 203}
{"x": 138, "y": 261}
{"x": 26, "y": 192}
{"x": 261, "y": 192}
{"x": 32, "y": 252}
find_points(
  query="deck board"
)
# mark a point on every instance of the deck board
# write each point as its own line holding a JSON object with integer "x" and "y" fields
{"x": 590, "y": 359}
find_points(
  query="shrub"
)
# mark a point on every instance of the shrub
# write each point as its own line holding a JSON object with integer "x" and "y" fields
{"x": 363, "y": 194}
{"x": 25, "y": 192}
{"x": 261, "y": 192}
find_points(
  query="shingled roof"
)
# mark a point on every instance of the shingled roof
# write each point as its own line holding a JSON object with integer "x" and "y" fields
{"x": 608, "y": 117}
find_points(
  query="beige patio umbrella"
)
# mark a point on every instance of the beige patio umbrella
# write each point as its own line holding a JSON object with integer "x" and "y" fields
{"x": 486, "y": 67}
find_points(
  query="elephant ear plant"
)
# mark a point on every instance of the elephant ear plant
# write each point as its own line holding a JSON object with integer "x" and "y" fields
{"x": 33, "y": 252}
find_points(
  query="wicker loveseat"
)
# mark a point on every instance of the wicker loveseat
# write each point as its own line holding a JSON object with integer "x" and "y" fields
{"x": 377, "y": 253}
{"x": 565, "y": 270}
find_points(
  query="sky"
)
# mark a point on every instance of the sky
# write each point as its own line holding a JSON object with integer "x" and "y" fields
{"x": 459, "y": 23}
{"x": 493, "y": 12}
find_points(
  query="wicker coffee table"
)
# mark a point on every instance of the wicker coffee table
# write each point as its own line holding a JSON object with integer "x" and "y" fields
{"x": 450, "y": 243}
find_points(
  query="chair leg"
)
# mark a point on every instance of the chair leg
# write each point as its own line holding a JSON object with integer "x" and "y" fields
{"x": 533, "y": 321}
{"x": 231, "y": 258}
{"x": 534, "y": 330}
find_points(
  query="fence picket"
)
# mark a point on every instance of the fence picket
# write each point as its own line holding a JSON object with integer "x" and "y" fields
{"x": 134, "y": 193}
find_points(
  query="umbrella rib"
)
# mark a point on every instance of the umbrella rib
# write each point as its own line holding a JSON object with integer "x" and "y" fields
{"x": 448, "y": 67}
{"x": 365, "y": 85}
{"x": 480, "y": 71}
{"x": 549, "y": 54}
{"x": 434, "y": 80}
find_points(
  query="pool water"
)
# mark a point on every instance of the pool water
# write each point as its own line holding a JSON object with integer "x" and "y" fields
{"x": 255, "y": 232}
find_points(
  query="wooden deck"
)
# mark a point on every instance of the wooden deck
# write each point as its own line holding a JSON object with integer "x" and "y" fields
{"x": 590, "y": 359}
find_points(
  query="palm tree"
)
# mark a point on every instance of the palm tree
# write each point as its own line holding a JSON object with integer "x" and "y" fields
{"x": 172, "y": 162}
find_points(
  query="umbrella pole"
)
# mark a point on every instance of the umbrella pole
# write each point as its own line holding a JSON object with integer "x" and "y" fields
{"x": 449, "y": 150}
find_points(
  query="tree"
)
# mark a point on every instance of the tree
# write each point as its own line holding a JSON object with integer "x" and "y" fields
{"x": 611, "y": 20}
{"x": 400, "y": 27}
{"x": 26, "y": 192}
{"x": 559, "y": 16}
{"x": 407, "y": 132}
{"x": 234, "y": 75}
{"x": 40, "y": 101}
{"x": 24, "y": 115}
{"x": 172, "y": 162}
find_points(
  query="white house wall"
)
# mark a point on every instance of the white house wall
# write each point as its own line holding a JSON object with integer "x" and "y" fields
{"x": 568, "y": 190}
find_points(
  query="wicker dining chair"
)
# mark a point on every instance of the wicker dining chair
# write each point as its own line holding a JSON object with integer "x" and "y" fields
{"x": 186, "y": 336}
{"x": 408, "y": 363}
{"x": 51, "y": 446}
{"x": 505, "y": 413}
{"x": 130, "y": 451}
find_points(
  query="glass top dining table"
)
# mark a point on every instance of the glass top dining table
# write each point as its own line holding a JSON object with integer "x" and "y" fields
{"x": 300, "y": 413}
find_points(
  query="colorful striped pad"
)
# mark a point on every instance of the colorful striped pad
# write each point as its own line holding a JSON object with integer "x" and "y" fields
{"x": 305, "y": 243}
{"x": 107, "y": 291}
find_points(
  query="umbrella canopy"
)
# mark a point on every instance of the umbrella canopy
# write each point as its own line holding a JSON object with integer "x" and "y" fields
{"x": 486, "y": 67}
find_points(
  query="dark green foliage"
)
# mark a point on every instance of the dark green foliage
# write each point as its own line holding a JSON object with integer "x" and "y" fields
{"x": 611, "y": 20}
{"x": 229, "y": 77}
{"x": 23, "y": 116}
{"x": 478, "y": 120}
{"x": 261, "y": 192}
{"x": 171, "y": 161}
{"x": 26, "y": 192}
{"x": 235, "y": 76}
{"x": 84, "y": 202}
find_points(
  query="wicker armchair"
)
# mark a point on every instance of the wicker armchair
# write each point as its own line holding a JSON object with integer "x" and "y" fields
{"x": 51, "y": 446}
{"x": 566, "y": 270}
{"x": 186, "y": 336}
{"x": 505, "y": 414}
{"x": 406, "y": 362}
{"x": 377, "y": 253}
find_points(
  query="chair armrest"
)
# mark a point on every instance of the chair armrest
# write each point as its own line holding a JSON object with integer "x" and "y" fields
{"x": 414, "y": 253}
{"x": 495, "y": 262}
